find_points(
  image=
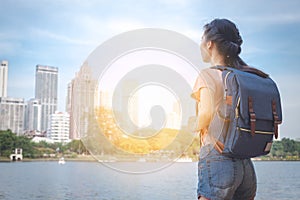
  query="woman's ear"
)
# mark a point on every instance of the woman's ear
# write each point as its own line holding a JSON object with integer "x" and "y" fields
{"x": 209, "y": 44}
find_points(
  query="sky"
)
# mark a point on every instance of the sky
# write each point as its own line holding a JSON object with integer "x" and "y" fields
{"x": 63, "y": 33}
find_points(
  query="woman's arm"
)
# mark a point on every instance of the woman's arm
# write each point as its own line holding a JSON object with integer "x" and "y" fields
{"x": 205, "y": 109}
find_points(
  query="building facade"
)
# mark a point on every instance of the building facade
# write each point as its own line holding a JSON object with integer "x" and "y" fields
{"x": 33, "y": 115}
{"x": 59, "y": 127}
{"x": 81, "y": 101}
{"x": 69, "y": 97}
{"x": 3, "y": 78}
{"x": 106, "y": 99}
{"x": 126, "y": 106}
{"x": 46, "y": 83}
{"x": 12, "y": 114}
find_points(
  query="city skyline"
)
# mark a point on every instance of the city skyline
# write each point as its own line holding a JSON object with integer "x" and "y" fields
{"x": 38, "y": 112}
{"x": 37, "y": 116}
{"x": 66, "y": 36}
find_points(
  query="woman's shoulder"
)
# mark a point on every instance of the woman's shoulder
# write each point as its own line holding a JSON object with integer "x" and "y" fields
{"x": 211, "y": 73}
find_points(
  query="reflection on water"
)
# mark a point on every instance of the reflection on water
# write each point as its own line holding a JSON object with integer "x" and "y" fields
{"x": 278, "y": 180}
{"x": 91, "y": 180}
{"x": 79, "y": 180}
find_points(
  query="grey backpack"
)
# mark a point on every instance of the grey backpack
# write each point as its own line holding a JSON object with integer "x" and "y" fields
{"x": 252, "y": 113}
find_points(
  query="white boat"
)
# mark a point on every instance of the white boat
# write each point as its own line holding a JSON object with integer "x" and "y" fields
{"x": 61, "y": 161}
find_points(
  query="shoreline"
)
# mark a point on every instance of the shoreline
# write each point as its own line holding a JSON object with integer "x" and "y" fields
{"x": 92, "y": 159}
{"x": 77, "y": 159}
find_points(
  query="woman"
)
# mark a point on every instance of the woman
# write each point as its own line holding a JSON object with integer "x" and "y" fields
{"x": 219, "y": 177}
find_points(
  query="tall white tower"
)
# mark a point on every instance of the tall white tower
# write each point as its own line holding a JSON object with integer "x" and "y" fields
{"x": 3, "y": 78}
{"x": 46, "y": 83}
{"x": 83, "y": 97}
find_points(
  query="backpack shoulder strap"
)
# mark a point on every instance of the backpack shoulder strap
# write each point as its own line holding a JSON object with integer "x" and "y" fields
{"x": 221, "y": 68}
{"x": 255, "y": 71}
{"x": 243, "y": 69}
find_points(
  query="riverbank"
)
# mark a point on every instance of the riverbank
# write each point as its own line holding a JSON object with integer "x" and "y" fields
{"x": 271, "y": 158}
{"x": 90, "y": 158}
{"x": 80, "y": 158}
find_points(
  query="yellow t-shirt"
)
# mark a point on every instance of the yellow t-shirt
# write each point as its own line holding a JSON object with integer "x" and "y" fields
{"x": 211, "y": 79}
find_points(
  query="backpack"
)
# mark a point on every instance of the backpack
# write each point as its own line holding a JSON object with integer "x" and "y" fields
{"x": 252, "y": 113}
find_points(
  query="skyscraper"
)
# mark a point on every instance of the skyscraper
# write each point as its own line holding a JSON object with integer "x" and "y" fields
{"x": 69, "y": 97}
{"x": 83, "y": 96}
{"x": 33, "y": 115}
{"x": 174, "y": 117}
{"x": 128, "y": 106}
{"x": 106, "y": 99}
{"x": 3, "y": 78}
{"x": 12, "y": 111}
{"x": 46, "y": 83}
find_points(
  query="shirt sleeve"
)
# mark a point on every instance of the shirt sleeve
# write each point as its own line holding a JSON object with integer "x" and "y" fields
{"x": 205, "y": 79}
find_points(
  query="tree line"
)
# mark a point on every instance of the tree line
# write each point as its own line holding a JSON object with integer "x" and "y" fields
{"x": 9, "y": 141}
{"x": 284, "y": 149}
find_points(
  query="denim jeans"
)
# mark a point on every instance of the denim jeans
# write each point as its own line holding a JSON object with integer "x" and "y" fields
{"x": 225, "y": 178}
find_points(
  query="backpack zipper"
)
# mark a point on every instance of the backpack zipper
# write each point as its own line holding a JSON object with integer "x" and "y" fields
{"x": 259, "y": 132}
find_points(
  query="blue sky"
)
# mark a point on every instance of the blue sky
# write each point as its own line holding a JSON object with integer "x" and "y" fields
{"x": 63, "y": 34}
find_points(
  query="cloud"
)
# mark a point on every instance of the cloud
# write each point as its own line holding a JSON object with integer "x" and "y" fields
{"x": 271, "y": 19}
{"x": 122, "y": 25}
{"x": 9, "y": 48}
{"x": 10, "y": 42}
{"x": 61, "y": 38}
{"x": 177, "y": 3}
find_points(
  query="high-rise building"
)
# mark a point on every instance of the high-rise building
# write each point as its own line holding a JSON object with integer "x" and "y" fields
{"x": 126, "y": 106}
{"x": 3, "y": 78}
{"x": 69, "y": 98}
{"x": 106, "y": 99}
{"x": 12, "y": 114}
{"x": 82, "y": 102}
{"x": 46, "y": 83}
{"x": 59, "y": 125}
{"x": 70, "y": 110}
{"x": 33, "y": 115}
{"x": 174, "y": 117}
{"x": 173, "y": 121}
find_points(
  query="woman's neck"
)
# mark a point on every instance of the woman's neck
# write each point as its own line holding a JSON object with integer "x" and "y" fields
{"x": 217, "y": 59}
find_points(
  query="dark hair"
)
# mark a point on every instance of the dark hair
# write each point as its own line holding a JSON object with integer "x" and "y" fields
{"x": 226, "y": 36}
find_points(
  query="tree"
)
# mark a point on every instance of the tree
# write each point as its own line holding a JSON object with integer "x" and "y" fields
{"x": 76, "y": 146}
{"x": 26, "y": 144}
{"x": 288, "y": 145}
{"x": 277, "y": 149}
{"x": 7, "y": 142}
